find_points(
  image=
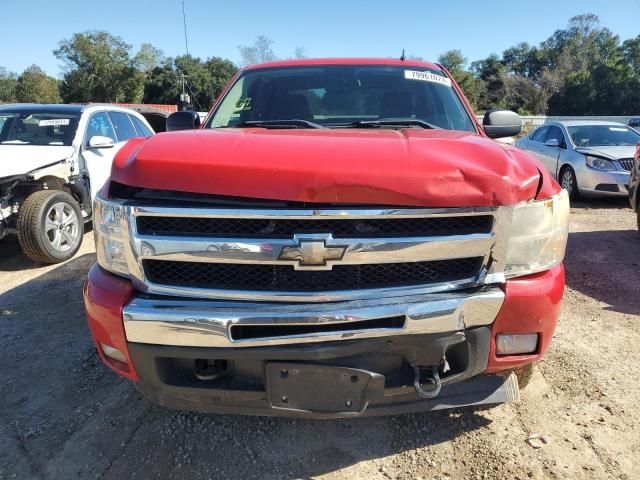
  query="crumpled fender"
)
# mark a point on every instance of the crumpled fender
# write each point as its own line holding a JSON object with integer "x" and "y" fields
{"x": 435, "y": 168}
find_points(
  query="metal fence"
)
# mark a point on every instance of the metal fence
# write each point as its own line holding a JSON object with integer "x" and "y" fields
{"x": 533, "y": 121}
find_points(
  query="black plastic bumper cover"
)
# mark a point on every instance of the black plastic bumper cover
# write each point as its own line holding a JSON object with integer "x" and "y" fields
{"x": 323, "y": 380}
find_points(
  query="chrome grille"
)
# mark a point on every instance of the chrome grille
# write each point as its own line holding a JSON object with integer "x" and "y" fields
{"x": 626, "y": 163}
{"x": 276, "y": 254}
{"x": 283, "y": 278}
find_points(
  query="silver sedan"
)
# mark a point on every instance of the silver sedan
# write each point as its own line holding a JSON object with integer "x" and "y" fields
{"x": 590, "y": 158}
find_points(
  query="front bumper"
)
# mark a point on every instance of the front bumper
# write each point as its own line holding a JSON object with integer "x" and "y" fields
{"x": 165, "y": 342}
{"x": 592, "y": 182}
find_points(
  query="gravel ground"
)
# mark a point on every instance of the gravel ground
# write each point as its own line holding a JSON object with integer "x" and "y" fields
{"x": 64, "y": 415}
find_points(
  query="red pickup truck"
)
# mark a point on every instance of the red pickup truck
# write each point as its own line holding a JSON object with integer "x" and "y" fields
{"x": 341, "y": 237}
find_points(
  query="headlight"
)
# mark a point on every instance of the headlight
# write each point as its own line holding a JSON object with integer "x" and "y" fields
{"x": 107, "y": 227}
{"x": 600, "y": 163}
{"x": 538, "y": 235}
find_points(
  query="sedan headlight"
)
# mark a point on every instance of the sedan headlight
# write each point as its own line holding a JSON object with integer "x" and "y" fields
{"x": 107, "y": 226}
{"x": 538, "y": 235}
{"x": 600, "y": 163}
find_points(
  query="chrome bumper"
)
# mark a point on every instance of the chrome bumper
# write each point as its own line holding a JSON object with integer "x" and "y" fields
{"x": 204, "y": 323}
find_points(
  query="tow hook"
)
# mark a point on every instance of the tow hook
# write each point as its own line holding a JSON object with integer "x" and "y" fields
{"x": 426, "y": 375}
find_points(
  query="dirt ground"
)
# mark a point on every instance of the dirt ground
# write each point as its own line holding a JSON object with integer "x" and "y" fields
{"x": 64, "y": 415}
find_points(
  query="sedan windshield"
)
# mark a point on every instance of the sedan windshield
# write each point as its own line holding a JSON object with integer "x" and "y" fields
{"x": 23, "y": 127}
{"x": 339, "y": 96}
{"x": 603, "y": 136}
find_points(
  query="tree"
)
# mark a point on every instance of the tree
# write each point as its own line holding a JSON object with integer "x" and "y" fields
{"x": 204, "y": 81}
{"x": 261, "y": 51}
{"x": 221, "y": 71}
{"x": 455, "y": 63}
{"x": 492, "y": 72}
{"x": 148, "y": 58}
{"x": 35, "y": 86}
{"x": 631, "y": 54}
{"x": 162, "y": 84}
{"x": 98, "y": 69}
{"x": 299, "y": 52}
{"x": 523, "y": 60}
{"x": 8, "y": 82}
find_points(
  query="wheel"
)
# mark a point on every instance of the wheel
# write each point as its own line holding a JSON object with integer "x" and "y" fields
{"x": 569, "y": 182}
{"x": 50, "y": 226}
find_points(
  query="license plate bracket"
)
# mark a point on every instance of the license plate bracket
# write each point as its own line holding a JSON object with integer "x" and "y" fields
{"x": 321, "y": 389}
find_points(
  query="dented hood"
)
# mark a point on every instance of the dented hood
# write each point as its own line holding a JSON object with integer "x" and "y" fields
{"x": 409, "y": 167}
{"x": 23, "y": 159}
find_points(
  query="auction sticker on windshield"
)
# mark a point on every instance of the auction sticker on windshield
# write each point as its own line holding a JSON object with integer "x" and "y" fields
{"x": 51, "y": 122}
{"x": 427, "y": 77}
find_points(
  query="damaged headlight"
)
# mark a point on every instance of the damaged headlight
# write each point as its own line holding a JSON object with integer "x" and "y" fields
{"x": 538, "y": 235}
{"x": 107, "y": 227}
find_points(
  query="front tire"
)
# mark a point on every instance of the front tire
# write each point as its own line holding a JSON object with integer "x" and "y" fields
{"x": 569, "y": 182}
{"x": 50, "y": 226}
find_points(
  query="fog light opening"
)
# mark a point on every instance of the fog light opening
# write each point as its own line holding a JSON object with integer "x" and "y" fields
{"x": 516, "y": 344}
{"x": 113, "y": 353}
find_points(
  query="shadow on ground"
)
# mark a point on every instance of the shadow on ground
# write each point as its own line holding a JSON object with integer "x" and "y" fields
{"x": 605, "y": 265}
{"x": 12, "y": 259}
{"x": 63, "y": 414}
{"x": 604, "y": 202}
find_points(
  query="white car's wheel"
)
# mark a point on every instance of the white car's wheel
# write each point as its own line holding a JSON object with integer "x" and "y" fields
{"x": 50, "y": 226}
{"x": 569, "y": 182}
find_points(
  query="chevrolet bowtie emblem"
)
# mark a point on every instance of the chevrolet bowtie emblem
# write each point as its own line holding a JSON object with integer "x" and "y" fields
{"x": 312, "y": 253}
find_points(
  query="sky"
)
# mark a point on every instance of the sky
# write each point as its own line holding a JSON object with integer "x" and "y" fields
{"x": 31, "y": 29}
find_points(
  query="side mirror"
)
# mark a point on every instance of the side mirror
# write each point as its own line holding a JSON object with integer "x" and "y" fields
{"x": 552, "y": 142}
{"x": 98, "y": 141}
{"x": 183, "y": 120}
{"x": 502, "y": 123}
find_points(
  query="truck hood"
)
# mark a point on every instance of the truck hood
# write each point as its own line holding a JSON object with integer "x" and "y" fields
{"x": 408, "y": 167}
{"x": 22, "y": 159}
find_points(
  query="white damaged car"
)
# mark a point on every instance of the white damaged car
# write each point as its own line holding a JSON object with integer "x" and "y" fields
{"x": 53, "y": 161}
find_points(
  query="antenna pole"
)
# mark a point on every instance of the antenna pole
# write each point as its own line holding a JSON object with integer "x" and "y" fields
{"x": 184, "y": 21}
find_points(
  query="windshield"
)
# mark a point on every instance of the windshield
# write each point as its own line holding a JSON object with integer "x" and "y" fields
{"x": 340, "y": 96}
{"x": 37, "y": 128}
{"x": 603, "y": 136}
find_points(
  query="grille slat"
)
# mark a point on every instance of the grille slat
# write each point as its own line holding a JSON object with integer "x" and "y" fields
{"x": 283, "y": 278}
{"x": 626, "y": 163}
{"x": 339, "y": 228}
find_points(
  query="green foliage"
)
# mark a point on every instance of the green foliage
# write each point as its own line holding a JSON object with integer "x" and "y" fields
{"x": 473, "y": 88}
{"x": 35, "y": 86}
{"x": 204, "y": 80}
{"x": 98, "y": 69}
{"x": 582, "y": 69}
{"x": 8, "y": 83}
{"x": 101, "y": 68}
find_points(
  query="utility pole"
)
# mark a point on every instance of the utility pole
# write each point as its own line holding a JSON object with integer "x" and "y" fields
{"x": 185, "y": 99}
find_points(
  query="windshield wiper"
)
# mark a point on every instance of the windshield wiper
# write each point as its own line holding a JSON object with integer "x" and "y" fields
{"x": 393, "y": 122}
{"x": 290, "y": 123}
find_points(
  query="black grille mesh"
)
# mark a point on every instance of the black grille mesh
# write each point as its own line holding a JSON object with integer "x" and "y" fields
{"x": 283, "y": 278}
{"x": 339, "y": 228}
